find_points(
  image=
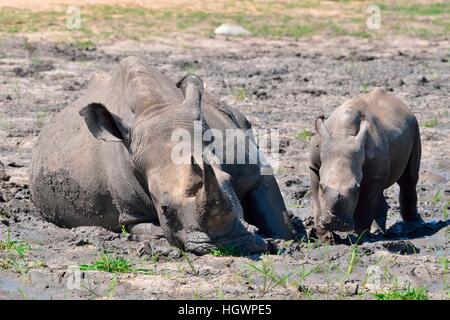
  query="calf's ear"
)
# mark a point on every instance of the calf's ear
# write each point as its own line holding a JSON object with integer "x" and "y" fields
{"x": 105, "y": 125}
{"x": 320, "y": 128}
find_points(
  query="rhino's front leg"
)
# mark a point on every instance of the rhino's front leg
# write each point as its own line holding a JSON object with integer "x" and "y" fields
{"x": 366, "y": 208}
{"x": 264, "y": 208}
{"x": 324, "y": 235}
{"x": 381, "y": 215}
{"x": 146, "y": 231}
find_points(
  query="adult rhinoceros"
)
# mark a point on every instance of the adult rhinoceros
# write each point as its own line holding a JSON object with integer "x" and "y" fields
{"x": 106, "y": 161}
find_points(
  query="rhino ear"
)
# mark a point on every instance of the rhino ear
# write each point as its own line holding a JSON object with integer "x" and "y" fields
{"x": 320, "y": 127}
{"x": 192, "y": 88}
{"x": 105, "y": 125}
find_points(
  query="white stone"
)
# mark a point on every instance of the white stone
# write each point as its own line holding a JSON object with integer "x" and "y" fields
{"x": 231, "y": 30}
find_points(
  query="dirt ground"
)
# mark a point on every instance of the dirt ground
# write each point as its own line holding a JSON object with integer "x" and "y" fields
{"x": 280, "y": 84}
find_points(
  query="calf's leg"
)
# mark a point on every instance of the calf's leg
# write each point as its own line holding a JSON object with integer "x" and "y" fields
{"x": 322, "y": 234}
{"x": 365, "y": 212}
{"x": 408, "y": 183}
{"x": 381, "y": 214}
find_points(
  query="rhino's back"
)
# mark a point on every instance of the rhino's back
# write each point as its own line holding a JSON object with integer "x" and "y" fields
{"x": 386, "y": 113}
{"x": 393, "y": 133}
{"x": 393, "y": 115}
{"x": 67, "y": 176}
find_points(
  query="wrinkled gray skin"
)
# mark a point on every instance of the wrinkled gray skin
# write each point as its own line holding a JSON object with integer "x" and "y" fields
{"x": 365, "y": 146}
{"x": 106, "y": 161}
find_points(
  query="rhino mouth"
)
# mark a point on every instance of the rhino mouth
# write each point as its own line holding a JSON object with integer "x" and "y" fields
{"x": 333, "y": 222}
{"x": 242, "y": 237}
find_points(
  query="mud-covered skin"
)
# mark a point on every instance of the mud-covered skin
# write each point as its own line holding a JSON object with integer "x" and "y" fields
{"x": 366, "y": 145}
{"x": 106, "y": 161}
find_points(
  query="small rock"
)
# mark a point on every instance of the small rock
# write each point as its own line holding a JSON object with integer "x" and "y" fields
{"x": 174, "y": 254}
{"x": 22, "y": 194}
{"x": 4, "y": 176}
{"x": 422, "y": 273}
{"x": 166, "y": 251}
{"x": 4, "y": 220}
{"x": 292, "y": 182}
{"x": 401, "y": 247}
{"x": 20, "y": 72}
{"x": 82, "y": 242}
{"x": 299, "y": 194}
{"x": 351, "y": 287}
{"x": 304, "y": 289}
{"x": 405, "y": 282}
{"x": 374, "y": 278}
{"x": 231, "y": 30}
{"x": 144, "y": 249}
{"x": 423, "y": 80}
{"x": 15, "y": 165}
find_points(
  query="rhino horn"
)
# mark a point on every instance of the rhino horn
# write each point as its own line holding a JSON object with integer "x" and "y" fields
{"x": 363, "y": 130}
{"x": 211, "y": 183}
{"x": 192, "y": 88}
{"x": 321, "y": 129}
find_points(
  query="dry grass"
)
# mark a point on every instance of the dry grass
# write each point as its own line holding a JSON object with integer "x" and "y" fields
{"x": 268, "y": 19}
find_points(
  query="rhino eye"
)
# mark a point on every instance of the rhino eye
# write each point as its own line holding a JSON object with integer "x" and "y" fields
{"x": 355, "y": 188}
{"x": 192, "y": 190}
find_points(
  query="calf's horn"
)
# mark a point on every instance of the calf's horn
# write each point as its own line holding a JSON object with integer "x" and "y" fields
{"x": 320, "y": 127}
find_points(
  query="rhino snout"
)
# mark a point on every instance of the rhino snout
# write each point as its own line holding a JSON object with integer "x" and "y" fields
{"x": 242, "y": 236}
{"x": 335, "y": 222}
{"x": 337, "y": 209}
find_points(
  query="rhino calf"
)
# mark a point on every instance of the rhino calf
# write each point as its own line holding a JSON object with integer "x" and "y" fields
{"x": 364, "y": 147}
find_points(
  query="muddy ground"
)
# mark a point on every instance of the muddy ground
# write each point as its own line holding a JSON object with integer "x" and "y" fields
{"x": 278, "y": 84}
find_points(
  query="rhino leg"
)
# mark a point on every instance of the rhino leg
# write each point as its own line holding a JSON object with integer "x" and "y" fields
{"x": 264, "y": 208}
{"x": 366, "y": 209}
{"x": 314, "y": 180}
{"x": 407, "y": 184}
{"x": 146, "y": 231}
{"x": 408, "y": 198}
{"x": 381, "y": 215}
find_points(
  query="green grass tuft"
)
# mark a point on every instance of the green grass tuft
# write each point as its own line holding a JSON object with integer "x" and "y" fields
{"x": 124, "y": 231}
{"x": 5, "y": 124}
{"x": 365, "y": 88}
{"x": 239, "y": 94}
{"x": 269, "y": 279}
{"x": 109, "y": 263}
{"x": 304, "y": 135}
{"x": 225, "y": 251}
{"x": 431, "y": 123}
{"x": 21, "y": 247}
{"x": 355, "y": 254}
{"x": 408, "y": 294}
{"x": 84, "y": 44}
{"x": 431, "y": 9}
{"x": 437, "y": 197}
